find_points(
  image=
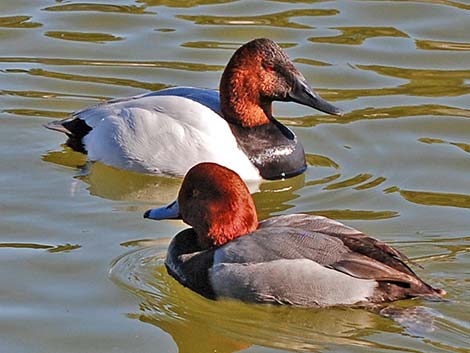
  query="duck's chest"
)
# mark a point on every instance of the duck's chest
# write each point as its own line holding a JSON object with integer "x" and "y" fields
{"x": 272, "y": 148}
{"x": 189, "y": 264}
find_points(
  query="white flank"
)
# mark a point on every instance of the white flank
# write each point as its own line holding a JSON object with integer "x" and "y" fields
{"x": 295, "y": 281}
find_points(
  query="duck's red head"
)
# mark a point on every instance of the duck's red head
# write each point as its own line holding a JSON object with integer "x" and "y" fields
{"x": 215, "y": 202}
{"x": 259, "y": 73}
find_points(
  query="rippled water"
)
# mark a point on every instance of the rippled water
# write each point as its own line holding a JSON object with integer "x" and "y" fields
{"x": 81, "y": 270}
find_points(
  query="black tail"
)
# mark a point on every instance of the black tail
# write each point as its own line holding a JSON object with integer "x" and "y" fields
{"x": 75, "y": 128}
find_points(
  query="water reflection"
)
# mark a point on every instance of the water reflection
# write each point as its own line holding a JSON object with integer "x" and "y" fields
{"x": 232, "y": 46}
{"x": 173, "y": 65}
{"x": 271, "y": 197}
{"x": 49, "y": 248}
{"x": 183, "y": 3}
{"x": 37, "y": 112}
{"x": 91, "y": 79}
{"x": 436, "y": 198}
{"x": 403, "y": 111}
{"x": 98, "y": 38}
{"x": 127, "y": 9}
{"x": 371, "y": 184}
{"x": 277, "y": 196}
{"x": 311, "y": 62}
{"x": 18, "y": 22}
{"x": 421, "y": 83}
{"x": 355, "y": 214}
{"x": 115, "y": 184}
{"x": 455, "y": 4}
{"x": 425, "y": 82}
{"x": 357, "y": 35}
{"x": 48, "y": 95}
{"x": 360, "y": 178}
{"x": 279, "y": 19}
{"x": 441, "y": 45}
{"x": 317, "y": 160}
{"x": 422, "y": 76}
{"x": 428, "y": 140}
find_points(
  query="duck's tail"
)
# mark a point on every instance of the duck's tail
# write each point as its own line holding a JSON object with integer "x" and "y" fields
{"x": 388, "y": 291}
{"x": 57, "y": 125}
{"x": 75, "y": 129}
{"x": 426, "y": 291}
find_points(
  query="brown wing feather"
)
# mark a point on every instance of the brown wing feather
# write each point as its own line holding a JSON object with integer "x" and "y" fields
{"x": 377, "y": 250}
{"x": 361, "y": 266}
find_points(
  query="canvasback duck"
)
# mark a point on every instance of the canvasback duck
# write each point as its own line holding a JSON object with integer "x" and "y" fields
{"x": 297, "y": 259}
{"x": 169, "y": 131}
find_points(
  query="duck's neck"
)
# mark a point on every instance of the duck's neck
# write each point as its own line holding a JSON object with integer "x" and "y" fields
{"x": 240, "y": 101}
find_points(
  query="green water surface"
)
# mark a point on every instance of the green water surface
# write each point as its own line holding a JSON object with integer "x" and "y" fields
{"x": 81, "y": 271}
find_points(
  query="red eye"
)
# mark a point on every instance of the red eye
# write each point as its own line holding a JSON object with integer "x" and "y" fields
{"x": 270, "y": 68}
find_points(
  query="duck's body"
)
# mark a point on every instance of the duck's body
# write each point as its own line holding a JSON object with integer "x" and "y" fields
{"x": 298, "y": 259}
{"x": 148, "y": 133}
{"x": 169, "y": 131}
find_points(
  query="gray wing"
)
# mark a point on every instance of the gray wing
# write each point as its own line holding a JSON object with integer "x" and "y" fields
{"x": 355, "y": 240}
{"x": 287, "y": 243}
{"x": 312, "y": 261}
{"x": 285, "y": 265}
{"x": 279, "y": 243}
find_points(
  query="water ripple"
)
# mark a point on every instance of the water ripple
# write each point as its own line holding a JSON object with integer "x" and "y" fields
{"x": 127, "y": 9}
{"x": 18, "y": 22}
{"x": 360, "y": 178}
{"x": 380, "y": 113}
{"x": 421, "y": 83}
{"x": 428, "y": 140}
{"x": 371, "y": 184}
{"x": 92, "y": 79}
{"x": 49, "y": 248}
{"x": 175, "y": 65}
{"x": 37, "y": 112}
{"x": 279, "y": 19}
{"x": 224, "y": 45}
{"x": 429, "y": 198}
{"x": 357, "y": 35}
{"x": 100, "y": 38}
{"x": 311, "y": 62}
{"x": 320, "y": 161}
{"x": 47, "y": 95}
{"x": 184, "y": 3}
{"x": 348, "y": 214}
{"x": 441, "y": 45}
{"x": 455, "y": 4}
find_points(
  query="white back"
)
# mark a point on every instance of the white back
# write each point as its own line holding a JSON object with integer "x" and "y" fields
{"x": 163, "y": 135}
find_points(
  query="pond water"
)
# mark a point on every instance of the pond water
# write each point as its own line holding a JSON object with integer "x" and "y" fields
{"x": 81, "y": 271}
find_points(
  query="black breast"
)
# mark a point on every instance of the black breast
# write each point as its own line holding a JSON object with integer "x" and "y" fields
{"x": 189, "y": 264}
{"x": 272, "y": 148}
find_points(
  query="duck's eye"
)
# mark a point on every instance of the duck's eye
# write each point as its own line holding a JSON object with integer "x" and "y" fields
{"x": 270, "y": 68}
{"x": 195, "y": 193}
